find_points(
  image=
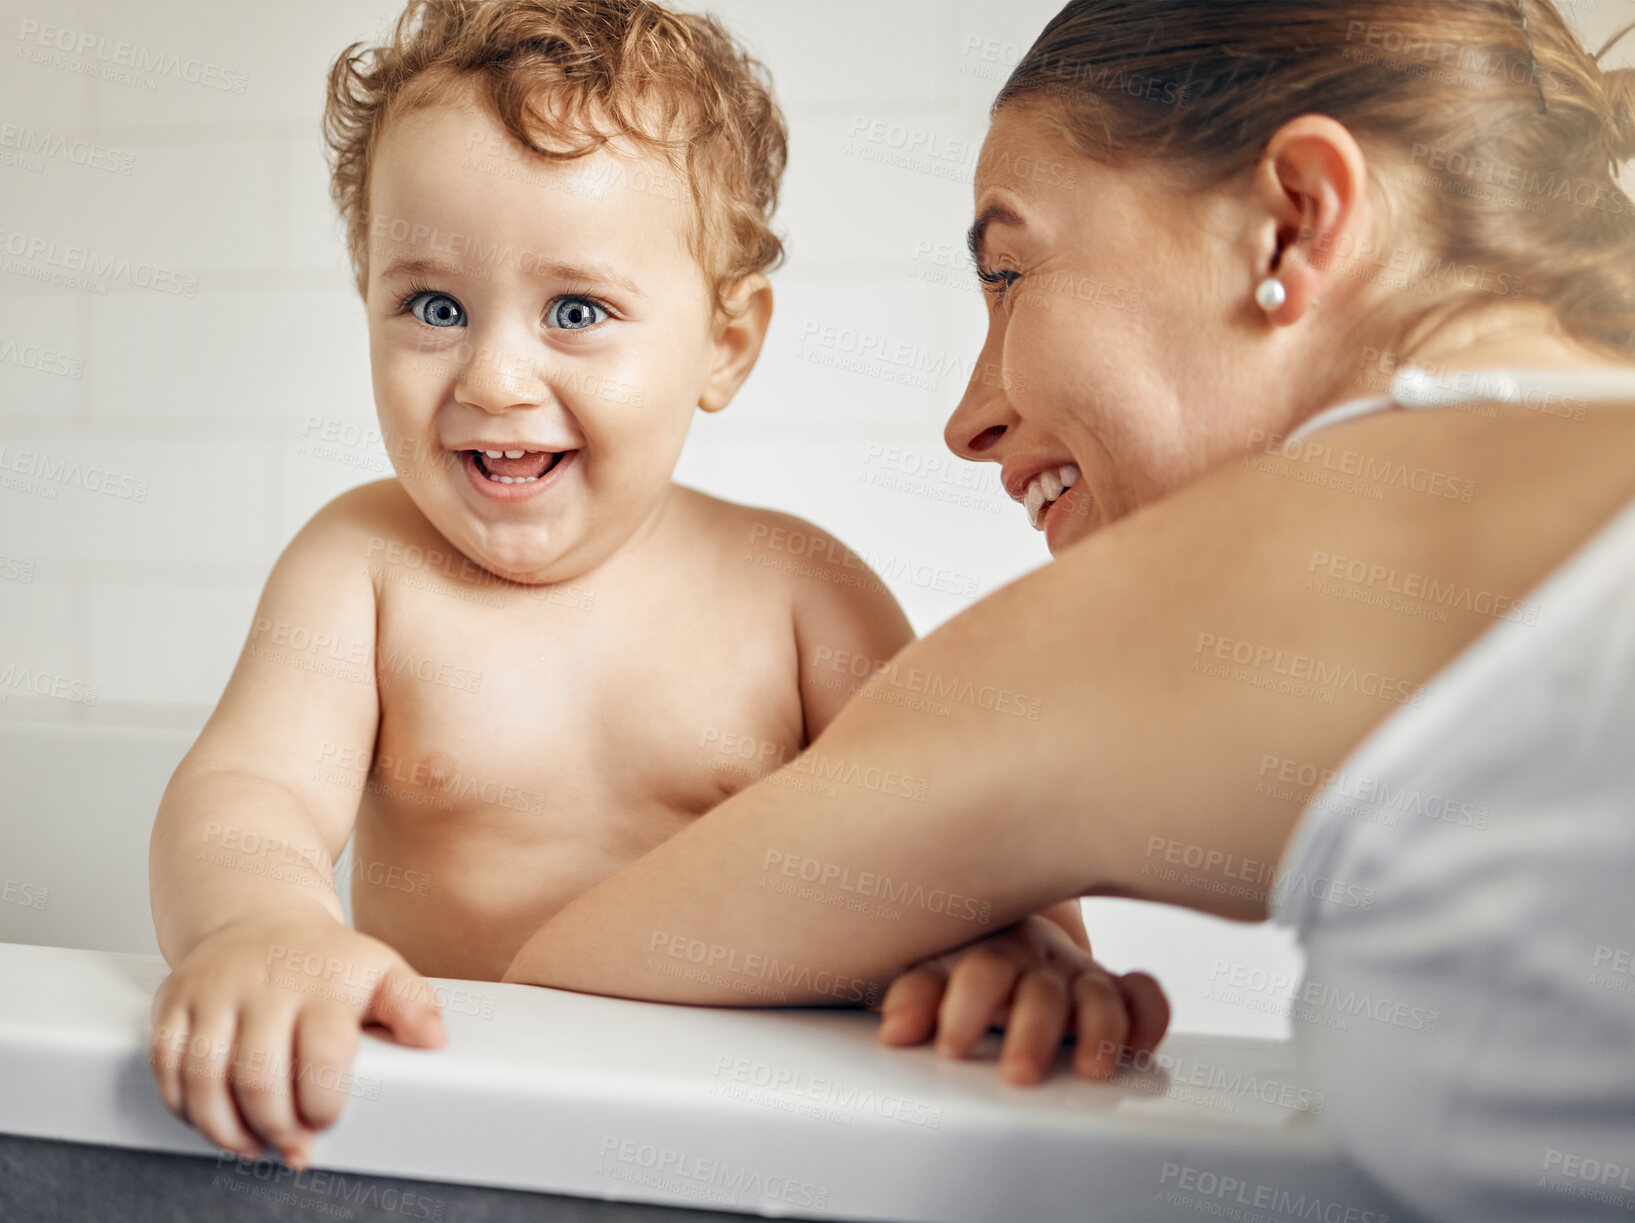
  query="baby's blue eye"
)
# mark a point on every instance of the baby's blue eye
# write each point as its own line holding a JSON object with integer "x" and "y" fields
{"x": 436, "y": 310}
{"x": 575, "y": 314}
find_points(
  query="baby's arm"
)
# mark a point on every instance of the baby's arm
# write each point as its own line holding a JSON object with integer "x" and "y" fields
{"x": 250, "y": 777}
{"x": 241, "y": 861}
{"x": 846, "y": 622}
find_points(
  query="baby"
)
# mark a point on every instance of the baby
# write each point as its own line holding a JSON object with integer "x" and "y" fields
{"x": 530, "y": 657}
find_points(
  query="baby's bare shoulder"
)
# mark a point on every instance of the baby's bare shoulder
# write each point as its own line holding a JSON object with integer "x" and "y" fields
{"x": 833, "y": 593}
{"x": 370, "y": 518}
{"x": 742, "y": 530}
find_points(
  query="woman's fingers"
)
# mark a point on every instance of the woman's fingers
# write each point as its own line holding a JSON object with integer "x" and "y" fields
{"x": 206, "y": 1102}
{"x": 978, "y": 987}
{"x": 1038, "y": 1021}
{"x": 1038, "y": 983}
{"x": 1148, "y": 1008}
{"x": 1103, "y": 1027}
{"x": 908, "y": 1013}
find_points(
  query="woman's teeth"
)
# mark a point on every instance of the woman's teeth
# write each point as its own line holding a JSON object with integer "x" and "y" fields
{"x": 1043, "y": 490}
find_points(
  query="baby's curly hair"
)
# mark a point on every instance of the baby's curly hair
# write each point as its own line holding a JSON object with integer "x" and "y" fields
{"x": 565, "y": 77}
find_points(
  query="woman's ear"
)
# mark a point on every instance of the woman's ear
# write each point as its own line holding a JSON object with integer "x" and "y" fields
{"x": 1318, "y": 220}
{"x": 739, "y": 333}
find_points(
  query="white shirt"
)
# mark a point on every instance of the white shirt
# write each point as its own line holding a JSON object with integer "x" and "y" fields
{"x": 1474, "y": 1025}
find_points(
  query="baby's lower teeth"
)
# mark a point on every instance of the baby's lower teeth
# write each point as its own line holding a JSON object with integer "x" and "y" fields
{"x": 488, "y": 475}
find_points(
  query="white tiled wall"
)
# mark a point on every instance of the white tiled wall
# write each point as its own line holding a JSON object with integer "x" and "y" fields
{"x": 204, "y": 397}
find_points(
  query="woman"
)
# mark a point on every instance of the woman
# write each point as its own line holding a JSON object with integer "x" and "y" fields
{"x": 1291, "y": 202}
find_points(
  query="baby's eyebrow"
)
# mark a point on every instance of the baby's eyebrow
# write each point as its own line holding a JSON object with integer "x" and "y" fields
{"x": 581, "y": 273}
{"x": 420, "y": 267}
{"x": 596, "y": 273}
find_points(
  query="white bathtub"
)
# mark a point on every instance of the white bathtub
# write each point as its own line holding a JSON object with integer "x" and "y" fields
{"x": 748, "y": 1112}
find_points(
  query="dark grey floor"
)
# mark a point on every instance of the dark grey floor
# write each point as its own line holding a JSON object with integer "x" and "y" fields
{"x": 42, "y": 1181}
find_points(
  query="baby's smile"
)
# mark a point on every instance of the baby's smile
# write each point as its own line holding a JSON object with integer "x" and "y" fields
{"x": 514, "y": 474}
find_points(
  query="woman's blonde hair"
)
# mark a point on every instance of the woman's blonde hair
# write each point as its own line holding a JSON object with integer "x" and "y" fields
{"x": 1510, "y": 129}
{"x": 565, "y": 77}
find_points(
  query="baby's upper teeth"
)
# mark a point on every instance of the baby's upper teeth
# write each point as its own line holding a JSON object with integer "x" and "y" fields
{"x": 515, "y": 454}
{"x": 1052, "y": 484}
{"x": 1070, "y": 476}
{"x": 494, "y": 454}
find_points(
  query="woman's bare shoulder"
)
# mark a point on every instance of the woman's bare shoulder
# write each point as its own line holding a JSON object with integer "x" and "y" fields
{"x": 1491, "y": 492}
{"x": 1283, "y": 606}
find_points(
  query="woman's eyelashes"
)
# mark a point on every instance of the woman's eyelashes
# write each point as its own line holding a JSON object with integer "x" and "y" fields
{"x": 572, "y": 312}
{"x": 996, "y": 282}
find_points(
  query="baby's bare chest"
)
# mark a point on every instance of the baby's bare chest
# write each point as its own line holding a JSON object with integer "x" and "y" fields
{"x": 566, "y": 712}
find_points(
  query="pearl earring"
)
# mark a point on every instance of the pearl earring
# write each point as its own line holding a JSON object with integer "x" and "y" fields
{"x": 1270, "y": 294}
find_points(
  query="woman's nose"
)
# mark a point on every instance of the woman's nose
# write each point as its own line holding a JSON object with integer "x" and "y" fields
{"x": 978, "y": 423}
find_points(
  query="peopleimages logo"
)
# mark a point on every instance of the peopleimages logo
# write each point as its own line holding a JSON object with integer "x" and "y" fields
{"x": 98, "y": 50}
{"x": 799, "y": 977}
{"x": 29, "y": 681}
{"x": 875, "y": 886}
{"x": 71, "y": 472}
{"x": 680, "y": 1166}
{"x": 71, "y": 259}
{"x": 57, "y": 147}
{"x": 932, "y": 684}
{"x": 1211, "y": 1192}
{"x": 748, "y": 1073}
{"x": 1341, "y": 677}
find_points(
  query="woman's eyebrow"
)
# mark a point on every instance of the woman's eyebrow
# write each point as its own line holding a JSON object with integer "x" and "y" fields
{"x": 1002, "y": 213}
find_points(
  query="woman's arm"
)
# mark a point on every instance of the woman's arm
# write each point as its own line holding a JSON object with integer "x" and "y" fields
{"x": 1100, "y": 725}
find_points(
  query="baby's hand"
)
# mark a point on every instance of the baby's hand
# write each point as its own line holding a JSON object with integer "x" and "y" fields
{"x": 1033, "y": 979}
{"x": 254, "y": 1031}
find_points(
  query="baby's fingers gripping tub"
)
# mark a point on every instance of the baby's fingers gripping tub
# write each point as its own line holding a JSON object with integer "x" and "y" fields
{"x": 552, "y": 1105}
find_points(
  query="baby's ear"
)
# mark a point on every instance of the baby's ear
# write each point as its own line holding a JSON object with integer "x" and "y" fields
{"x": 740, "y": 330}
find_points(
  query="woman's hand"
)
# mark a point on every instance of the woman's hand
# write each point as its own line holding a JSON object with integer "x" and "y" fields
{"x": 1036, "y": 981}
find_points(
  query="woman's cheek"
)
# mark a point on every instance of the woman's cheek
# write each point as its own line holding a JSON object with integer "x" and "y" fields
{"x": 1034, "y": 364}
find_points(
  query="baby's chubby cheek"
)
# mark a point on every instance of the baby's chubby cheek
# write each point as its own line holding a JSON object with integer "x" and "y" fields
{"x": 625, "y": 469}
